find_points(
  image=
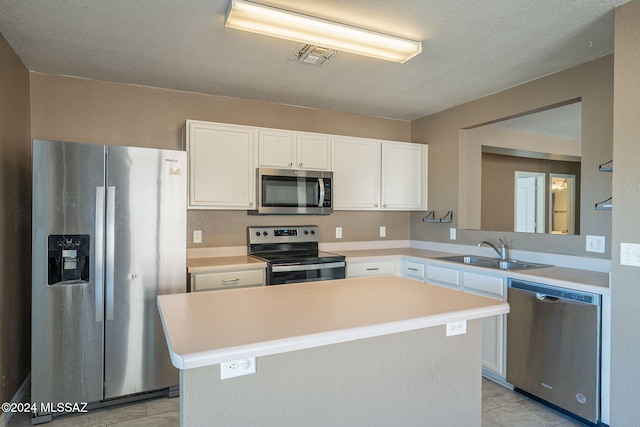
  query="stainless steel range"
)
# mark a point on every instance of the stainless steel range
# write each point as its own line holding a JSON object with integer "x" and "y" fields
{"x": 292, "y": 255}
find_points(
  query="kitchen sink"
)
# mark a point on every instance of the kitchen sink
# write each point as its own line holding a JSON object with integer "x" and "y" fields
{"x": 499, "y": 264}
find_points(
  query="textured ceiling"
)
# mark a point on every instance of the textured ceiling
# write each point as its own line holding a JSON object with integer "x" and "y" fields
{"x": 471, "y": 48}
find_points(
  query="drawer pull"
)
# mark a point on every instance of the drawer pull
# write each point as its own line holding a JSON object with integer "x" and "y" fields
{"x": 230, "y": 281}
{"x": 412, "y": 269}
{"x": 373, "y": 269}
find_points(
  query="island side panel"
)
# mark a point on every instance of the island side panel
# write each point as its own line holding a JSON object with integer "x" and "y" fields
{"x": 413, "y": 378}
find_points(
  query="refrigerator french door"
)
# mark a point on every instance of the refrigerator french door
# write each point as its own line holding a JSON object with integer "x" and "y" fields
{"x": 109, "y": 235}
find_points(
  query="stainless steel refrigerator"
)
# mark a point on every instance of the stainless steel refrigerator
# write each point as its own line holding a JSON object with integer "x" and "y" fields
{"x": 109, "y": 235}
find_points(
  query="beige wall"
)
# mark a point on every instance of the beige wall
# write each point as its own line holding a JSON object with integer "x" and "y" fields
{"x": 625, "y": 280}
{"x": 83, "y": 110}
{"x": 593, "y": 83}
{"x": 15, "y": 223}
{"x": 498, "y": 187}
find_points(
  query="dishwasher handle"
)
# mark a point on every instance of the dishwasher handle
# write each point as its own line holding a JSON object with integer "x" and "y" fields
{"x": 553, "y": 294}
{"x": 547, "y": 298}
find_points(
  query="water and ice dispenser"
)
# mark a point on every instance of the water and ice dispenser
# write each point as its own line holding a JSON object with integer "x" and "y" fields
{"x": 68, "y": 258}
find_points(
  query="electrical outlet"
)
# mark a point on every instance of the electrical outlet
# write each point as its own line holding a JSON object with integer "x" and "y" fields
{"x": 452, "y": 234}
{"x": 197, "y": 236}
{"x": 457, "y": 328}
{"x": 383, "y": 231}
{"x": 237, "y": 368}
{"x": 338, "y": 232}
{"x": 595, "y": 244}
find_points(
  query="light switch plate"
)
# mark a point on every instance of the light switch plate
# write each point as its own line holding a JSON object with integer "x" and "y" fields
{"x": 197, "y": 236}
{"x": 595, "y": 244}
{"x": 630, "y": 254}
{"x": 452, "y": 234}
{"x": 338, "y": 232}
{"x": 383, "y": 231}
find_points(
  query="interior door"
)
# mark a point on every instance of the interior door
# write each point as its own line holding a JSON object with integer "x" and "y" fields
{"x": 146, "y": 252}
{"x": 529, "y": 202}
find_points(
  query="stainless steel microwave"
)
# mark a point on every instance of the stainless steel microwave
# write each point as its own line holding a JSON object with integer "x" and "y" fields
{"x": 294, "y": 192}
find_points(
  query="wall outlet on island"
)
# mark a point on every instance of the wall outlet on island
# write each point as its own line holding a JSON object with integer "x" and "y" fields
{"x": 338, "y": 232}
{"x": 383, "y": 231}
{"x": 457, "y": 328}
{"x": 237, "y": 368}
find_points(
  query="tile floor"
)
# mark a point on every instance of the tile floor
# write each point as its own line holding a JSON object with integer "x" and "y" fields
{"x": 501, "y": 407}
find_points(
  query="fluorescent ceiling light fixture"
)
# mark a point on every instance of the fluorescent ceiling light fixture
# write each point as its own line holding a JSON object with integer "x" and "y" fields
{"x": 283, "y": 24}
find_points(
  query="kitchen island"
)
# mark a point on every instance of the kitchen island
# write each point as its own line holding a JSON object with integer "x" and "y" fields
{"x": 367, "y": 351}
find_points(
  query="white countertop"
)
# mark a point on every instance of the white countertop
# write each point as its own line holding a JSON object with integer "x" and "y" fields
{"x": 571, "y": 278}
{"x": 223, "y": 263}
{"x": 208, "y": 328}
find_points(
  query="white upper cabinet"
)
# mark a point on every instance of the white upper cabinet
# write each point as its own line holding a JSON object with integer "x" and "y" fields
{"x": 295, "y": 150}
{"x": 404, "y": 176}
{"x": 221, "y": 165}
{"x": 371, "y": 174}
{"x": 356, "y": 173}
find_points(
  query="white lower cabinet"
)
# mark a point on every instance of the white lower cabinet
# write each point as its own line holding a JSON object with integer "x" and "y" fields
{"x": 226, "y": 280}
{"x": 414, "y": 270}
{"x": 373, "y": 268}
{"x": 442, "y": 276}
{"x": 493, "y": 328}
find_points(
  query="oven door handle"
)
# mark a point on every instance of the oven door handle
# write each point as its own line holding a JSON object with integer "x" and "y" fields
{"x": 303, "y": 267}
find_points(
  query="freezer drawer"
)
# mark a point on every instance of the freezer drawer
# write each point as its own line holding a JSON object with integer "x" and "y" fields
{"x": 553, "y": 346}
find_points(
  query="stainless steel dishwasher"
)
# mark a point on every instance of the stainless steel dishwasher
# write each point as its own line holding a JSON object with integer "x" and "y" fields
{"x": 553, "y": 347}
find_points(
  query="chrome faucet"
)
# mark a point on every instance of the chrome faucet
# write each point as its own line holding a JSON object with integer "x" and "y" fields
{"x": 502, "y": 251}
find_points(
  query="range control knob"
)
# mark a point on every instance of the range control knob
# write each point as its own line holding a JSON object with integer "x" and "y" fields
{"x": 258, "y": 233}
{"x": 264, "y": 233}
{"x": 313, "y": 232}
{"x": 306, "y": 232}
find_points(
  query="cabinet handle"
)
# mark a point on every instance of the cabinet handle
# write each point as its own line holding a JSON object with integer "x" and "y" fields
{"x": 373, "y": 269}
{"x": 412, "y": 269}
{"x": 299, "y": 164}
{"x": 230, "y": 281}
{"x": 250, "y": 203}
{"x": 376, "y": 205}
{"x": 290, "y": 164}
{"x": 384, "y": 206}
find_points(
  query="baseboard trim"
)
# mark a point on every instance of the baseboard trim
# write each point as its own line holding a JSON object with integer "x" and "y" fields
{"x": 5, "y": 417}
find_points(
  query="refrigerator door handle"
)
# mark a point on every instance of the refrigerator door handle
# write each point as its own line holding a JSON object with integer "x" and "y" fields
{"x": 110, "y": 236}
{"x": 98, "y": 261}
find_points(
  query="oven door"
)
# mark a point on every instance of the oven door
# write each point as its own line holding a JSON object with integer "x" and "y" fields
{"x": 295, "y": 273}
{"x": 294, "y": 192}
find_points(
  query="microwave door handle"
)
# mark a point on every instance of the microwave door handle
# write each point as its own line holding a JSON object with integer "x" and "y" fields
{"x": 321, "y": 184}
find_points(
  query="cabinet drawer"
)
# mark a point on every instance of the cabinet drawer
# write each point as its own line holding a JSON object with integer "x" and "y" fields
{"x": 487, "y": 285}
{"x": 370, "y": 268}
{"x": 413, "y": 270}
{"x": 230, "y": 279}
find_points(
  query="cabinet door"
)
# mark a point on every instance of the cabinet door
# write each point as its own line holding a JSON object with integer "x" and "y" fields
{"x": 276, "y": 148}
{"x": 221, "y": 166}
{"x": 356, "y": 173}
{"x": 313, "y": 151}
{"x": 442, "y": 276}
{"x": 493, "y": 328}
{"x": 404, "y": 176}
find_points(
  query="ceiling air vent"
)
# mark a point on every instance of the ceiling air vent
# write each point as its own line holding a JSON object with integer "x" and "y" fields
{"x": 312, "y": 54}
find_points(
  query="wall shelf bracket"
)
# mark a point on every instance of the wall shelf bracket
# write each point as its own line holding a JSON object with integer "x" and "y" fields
{"x": 431, "y": 217}
{"x": 605, "y": 205}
